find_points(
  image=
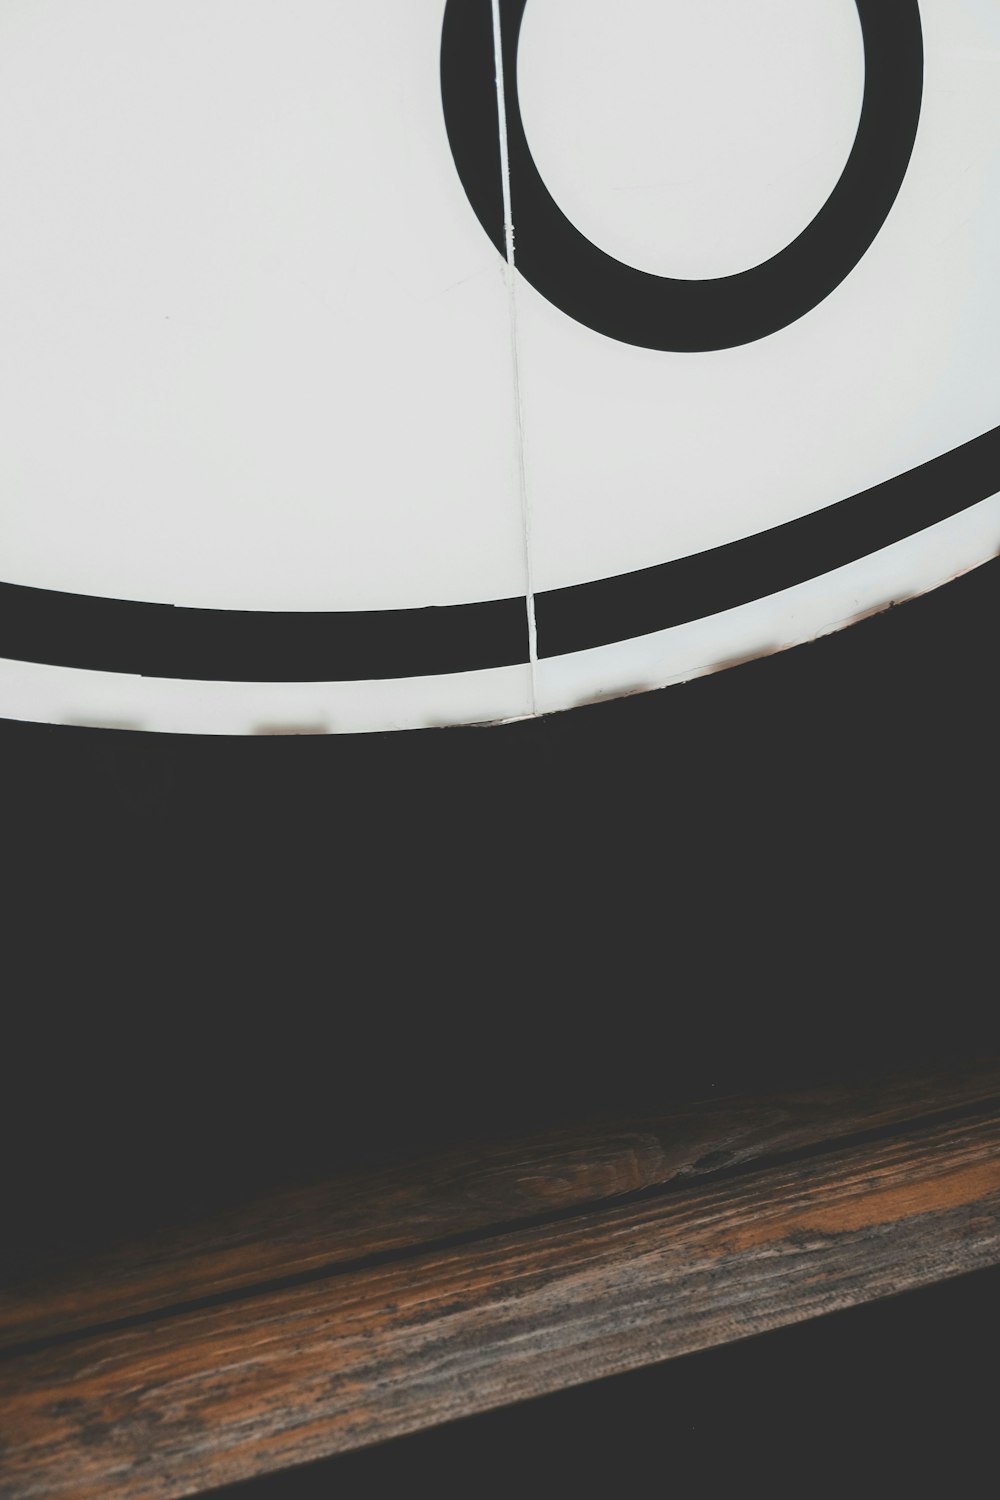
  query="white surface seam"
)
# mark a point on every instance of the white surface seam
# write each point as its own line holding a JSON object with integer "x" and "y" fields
{"x": 508, "y": 225}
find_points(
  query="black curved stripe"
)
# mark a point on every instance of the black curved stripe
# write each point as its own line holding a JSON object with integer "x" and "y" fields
{"x": 706, "y": 583}
{"x": 160, "y": 640}
{"x": 223, "y": 645}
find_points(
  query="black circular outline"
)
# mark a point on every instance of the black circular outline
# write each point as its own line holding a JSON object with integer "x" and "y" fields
{"x": 660, "y": 312}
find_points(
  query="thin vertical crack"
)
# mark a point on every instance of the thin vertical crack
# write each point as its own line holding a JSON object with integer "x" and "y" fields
{"x": 508, "y": 226}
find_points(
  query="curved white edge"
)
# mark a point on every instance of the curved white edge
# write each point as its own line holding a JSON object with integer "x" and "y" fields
{"x": 796, "y": 615}
{"x": 117, "y": 700}
{"x": 62, "y": 695}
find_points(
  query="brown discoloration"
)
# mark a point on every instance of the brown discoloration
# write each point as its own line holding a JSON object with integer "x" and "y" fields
{"x": 281, "y": 1377}
{"x": 275, "y": 729}
{"x": 758, "y": 654}
{"x": 870, "y": 614}
{"x": 761, "y": 652}
{"x": 609, "y": 695}
{"x": 130, "y": 725}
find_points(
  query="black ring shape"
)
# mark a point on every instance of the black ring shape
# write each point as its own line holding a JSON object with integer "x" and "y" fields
{"x": 660, "y": 312}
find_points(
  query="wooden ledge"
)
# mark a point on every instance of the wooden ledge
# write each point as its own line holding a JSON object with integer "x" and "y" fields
{"x": 339, "y": 1315}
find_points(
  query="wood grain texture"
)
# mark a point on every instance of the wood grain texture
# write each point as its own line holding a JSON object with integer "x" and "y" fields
{"x": 460, "y": 1192}
{"x": 205, "y": 1397}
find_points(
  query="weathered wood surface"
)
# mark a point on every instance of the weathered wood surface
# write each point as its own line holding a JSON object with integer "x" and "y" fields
{"x": 274, "y": 1377}
{"x": 309, "y": 1230}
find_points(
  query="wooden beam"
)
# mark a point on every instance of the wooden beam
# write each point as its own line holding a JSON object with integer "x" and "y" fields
{"x": 312, "y": 1230}
{"x": 274, "y": 1377}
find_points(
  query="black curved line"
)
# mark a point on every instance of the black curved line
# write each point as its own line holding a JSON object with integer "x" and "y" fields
{"x": 227, "y": 645}
{"x": 661, "y": 312}
{"x": 160, "y": 640}
{"x": 706, "y": 583}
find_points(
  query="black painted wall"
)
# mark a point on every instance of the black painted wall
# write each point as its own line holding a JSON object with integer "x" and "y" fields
{"x": 233, "y": 961}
